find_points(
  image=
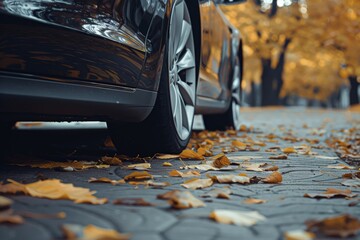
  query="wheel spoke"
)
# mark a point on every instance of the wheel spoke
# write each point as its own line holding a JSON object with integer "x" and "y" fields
{"x": 186, "y": 61}
{"x": 185, "y": 34}
{"x": 179, "y": 18}
{"x": 186, "y": 92}
{"x": 173, "y": 96}
{"x": 184, "y": 114}
{"x": 178, "y": 113}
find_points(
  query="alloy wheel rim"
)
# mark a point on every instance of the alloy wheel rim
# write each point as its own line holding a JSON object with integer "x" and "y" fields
{"x": 235, "y": 103}
{"x": 182, "y": 74}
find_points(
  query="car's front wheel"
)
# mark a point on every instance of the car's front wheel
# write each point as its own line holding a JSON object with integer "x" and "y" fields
{"x": 231, "y": 118}
{"x": 168, "y": 128}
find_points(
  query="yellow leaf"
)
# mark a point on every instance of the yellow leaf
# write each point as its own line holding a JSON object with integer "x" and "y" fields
{"x": 254, "y": 201}
{"x": 220, "y": 161}
{"x": 113, "y": 161}
{"x": 239, "y": 145}
{"x": 289, "y": 150}
{"x": 279, "y": 157}
{"x": 340, "y": 166}
{"x": 190, "y": 154}
{"x": 138, "y": 176}
{"x": 176, "y": 173}
{"x": 106, "y": 180}
{"x": 167, "y": 164}
{"x": 54, "y": 189}
{"x": 331, "y": 193}
{"x": 218, "y": 193}
{"x": 230, "y": 179}
{"x": 299, "y": 235}
{"x": 167, "y": 156}
{"x": 139, "y": 166}
{"x": 91, "y": 232}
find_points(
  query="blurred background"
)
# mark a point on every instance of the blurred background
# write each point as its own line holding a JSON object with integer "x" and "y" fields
{"x": 299, "y": 52}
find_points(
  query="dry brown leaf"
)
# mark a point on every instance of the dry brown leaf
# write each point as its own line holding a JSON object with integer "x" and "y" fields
{"x": 279, "y": 157}
{"x": 176, "y": 173}
{"x": 113, "y": 161}
{"x": 274, "y": 177}
{"x": 54, "y": 189}
{"x": 230, "y": 179}
{"x": 299, "y": 235}
{"x": 190, "y": 154}
{"x": 132, "y": 202}
{"x": 243, "y": 158}
{"x": 138, "y": 176}
{"x": 340, "y": 166}
{"x": 139, "y": 166}
{"x": 271, "y": 168}
{"x": 197, "y": 183}
{"x": 59, "y": 215}
{"x": 223, "y": 193}
{"x": 289, "y": 150}
{"x": 167, "y": 164}
{"x": 8, "y": 216}
{"x": 254, "y": 201}
{"x": 240, "y": 218}
{"x": 181, "y": 199}
{"x": 91, "y": 232}
{"x": 339, "y": 226}
{"x": 204, "y": 152}
{"x": 255, "y": 167}
{"x": 12, "y": 188}
{"x": 106, "y": 180}
{"x": 221, "y": 160}
{"x": 201, "y": 167}
{"x": 351, "y": 175}
{"x": 167, "y": 156}
{"x": 239, "y": 145}
{"x": 5, "y": 202}
{"x": 331, "y": 193}
{"x": 243, "y": 128}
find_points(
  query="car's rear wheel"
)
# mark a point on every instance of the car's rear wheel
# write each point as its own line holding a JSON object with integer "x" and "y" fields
{"x": 168, "y": 128}
{"x": 231, "y": 118}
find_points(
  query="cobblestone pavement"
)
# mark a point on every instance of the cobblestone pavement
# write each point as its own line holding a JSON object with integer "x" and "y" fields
{"x": 286, "y": 208}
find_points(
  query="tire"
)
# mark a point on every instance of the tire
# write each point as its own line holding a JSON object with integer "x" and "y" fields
{"x": 5, "y": 138}
{"x": 168, "y": 128}
{"x": 231, "y": 118}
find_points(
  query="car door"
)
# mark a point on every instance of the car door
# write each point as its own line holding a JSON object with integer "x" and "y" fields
{"x": 215, "y": 52}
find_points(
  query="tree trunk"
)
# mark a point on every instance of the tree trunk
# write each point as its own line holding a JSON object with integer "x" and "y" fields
{"x": 280, "y": 69}
{"x": 354, "y": 85}
{"x": 267, "y": 83}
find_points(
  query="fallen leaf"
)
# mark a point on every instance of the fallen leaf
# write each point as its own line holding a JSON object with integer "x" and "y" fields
{"x": 274, "y": 177}
{"x": 158, "y": 184}
{"x": 204, "y": 152}
{"x": 91, "y": 232}
{"x": 340, "y": 166}
{"x": 138, "y": 176}
{"x": 132, "y": 202}
{"x": 254, "y": 201}
{"x": 351, "y": 183}
{"x": 240, "y": 218}
{"x": 54, "y": 189}
{"x": 139, "y": 166}
{"x": 8, "y": 216}
{"x": 243, "y": 128}
{"x": 279, "y": 157}
{"x": 106, "y": 180}
{"x": 351, "y": 175}
{"x": 167, "y": 156}
{"x": 12, "y": 188}
{"x": 176, "y": 173}
{"x": 239, "y": 145}
{"x": 338, "y": 226}
{"x": 181, "y": 199}
{"x": 255, "y": 167}
{"x": 190, "y": 154}
{"x": 243, "y": 158}
{"x": 167, "y": 164}
{"x": 201, "y": 167}
{"x": 220, "y": 161}
{"x": 331, "y": 193}
{"x": 5, "y": 202}
{"x": 288, "y": 150}
{"x": 326, "y": 157}
{"x": 197, "y": 183}
{"x": 299, "y": 235}
{"x": 271, "y": 168}
{"x": 218, "y": 193}
{"x": 230, "y": 179}
{"x": 113, "y": 161}
{"x": 59, "y": 215}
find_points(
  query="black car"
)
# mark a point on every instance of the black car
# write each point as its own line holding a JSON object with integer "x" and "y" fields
{"x": 143, "y": 66}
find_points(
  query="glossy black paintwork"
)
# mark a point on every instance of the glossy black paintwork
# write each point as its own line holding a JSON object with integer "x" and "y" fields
{"x": 114, "y": 42}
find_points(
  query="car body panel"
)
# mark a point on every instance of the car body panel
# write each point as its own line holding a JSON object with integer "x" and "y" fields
{"x": 110, "y": 44}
